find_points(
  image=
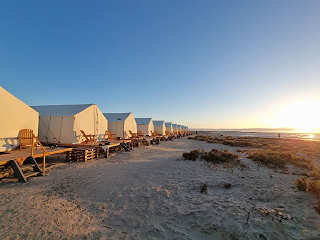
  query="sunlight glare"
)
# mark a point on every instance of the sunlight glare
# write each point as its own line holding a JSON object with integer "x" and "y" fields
{"x": 303, "y": 116}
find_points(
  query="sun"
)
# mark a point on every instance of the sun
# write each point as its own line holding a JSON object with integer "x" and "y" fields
{"x": 303, "y": 116}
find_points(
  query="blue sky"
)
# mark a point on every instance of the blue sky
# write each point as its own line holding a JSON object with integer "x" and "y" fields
{"x": 219, "y": 64}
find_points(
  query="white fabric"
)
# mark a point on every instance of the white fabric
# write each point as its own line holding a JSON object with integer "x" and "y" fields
{"x": 145, "y": 125}
{"x": 15, "y": 115}
{"x": 120, "y": 125}
{"x": 54, "y": 127}
{"x": 169, "y": 127}
{"x": 159, "y": 127}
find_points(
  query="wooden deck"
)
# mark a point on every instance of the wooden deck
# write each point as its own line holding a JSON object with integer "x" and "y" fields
{"x": 117, "y": 143}
{"x": 112, "y": 144}
{"x": 16, "y": 159}
{"x": 21, "y": 155}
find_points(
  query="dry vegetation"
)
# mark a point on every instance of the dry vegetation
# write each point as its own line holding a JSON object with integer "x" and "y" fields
{"x": 193, "y": 155}
{"x": 278, "y": 159}
{"x": 273, "y": 152}
{"x": 213, "y": 157}
{"x": 277, "y": 153}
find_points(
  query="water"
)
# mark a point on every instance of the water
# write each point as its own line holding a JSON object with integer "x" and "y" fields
{"x": 268, "y": 134}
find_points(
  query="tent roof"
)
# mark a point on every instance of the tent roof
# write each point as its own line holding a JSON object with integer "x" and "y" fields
{"x": 143, "y": 121}
{"x": 158, "y": 123}
{"x": 61, "y": 110}
{"x": 114, "y": 117}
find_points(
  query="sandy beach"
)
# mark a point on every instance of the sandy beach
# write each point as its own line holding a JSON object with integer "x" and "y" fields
{"x": 151, "y": 193}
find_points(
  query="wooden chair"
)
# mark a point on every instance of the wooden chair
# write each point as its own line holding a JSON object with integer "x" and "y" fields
{"x": 157, "y": 134}
{"x": 140, "y": 134}
{"x": 88, "y": 138}
{"x": 133, "y": 135}
{"x": 109, "y": 136}
{"x": 28, "y": 139}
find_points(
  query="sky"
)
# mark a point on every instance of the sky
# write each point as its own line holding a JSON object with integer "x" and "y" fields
{"x": 206, "y": 63}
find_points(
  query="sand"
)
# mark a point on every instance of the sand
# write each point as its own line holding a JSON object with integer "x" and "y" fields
{"x": 150, "y": 194}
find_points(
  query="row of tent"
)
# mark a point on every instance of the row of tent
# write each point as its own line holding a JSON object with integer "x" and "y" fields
{"x": 62, "y": 123}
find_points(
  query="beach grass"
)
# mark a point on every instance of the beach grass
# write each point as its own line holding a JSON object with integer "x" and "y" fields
{"x": 216, "y": 157}
{"x": 273, "y": 152}
{"x": 212, "y": 157}
{"x": 278, "y": 159}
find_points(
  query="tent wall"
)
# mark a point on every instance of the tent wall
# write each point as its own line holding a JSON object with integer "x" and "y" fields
{"x": 57, "y": 129}
{"x": 146, "y": 128}
{"x": 151, "y": 128}
{"x": 116, "y": 128}
{"x": 161, "y": 129}
{"x": 169, "y": 129}
{"x": 143, "y": 128}
{"x": 91, "y": 121}
{"x": 174, "y": 128}
{"x": 66, "y": 129}
{"x": 130, "y": 125}
{"x": 15, "y": 115}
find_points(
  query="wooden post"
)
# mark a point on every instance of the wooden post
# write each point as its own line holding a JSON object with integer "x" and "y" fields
{"x": 44, "y": 165}
{"x": 32, "y": 145}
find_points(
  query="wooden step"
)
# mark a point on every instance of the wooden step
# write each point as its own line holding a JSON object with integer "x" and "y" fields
{"x": 32, "y": 174}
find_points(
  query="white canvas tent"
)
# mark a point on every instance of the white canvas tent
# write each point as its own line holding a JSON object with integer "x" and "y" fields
{"x": 169, "y": 127}
{"x": 145, "y": 125}
{"x": 175, "y": 127}
{"x": 160, "y": 127}
{"x": 15, "y": 115}
{"x": 120, "y": 124}
{"x": 62, "y": 123}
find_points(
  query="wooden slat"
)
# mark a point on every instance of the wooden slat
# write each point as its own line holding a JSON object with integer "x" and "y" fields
{"x": 31, "y": 174}
{"x": 82, "y": 154}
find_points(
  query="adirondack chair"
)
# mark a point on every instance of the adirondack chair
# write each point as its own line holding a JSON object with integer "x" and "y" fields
{"x": 109, "y": 136}
{"x": 91, "y": 138}
{"x": 157, "y": 134}
{"x": 133, "y": 135}
{"x": 140, "y": 134}
{"x": 28, "y": 139}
